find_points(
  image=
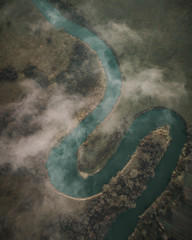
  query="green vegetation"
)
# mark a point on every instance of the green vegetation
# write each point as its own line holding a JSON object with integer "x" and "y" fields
{"x": 161, "y": 218}
{"x": 161, "y": 46}
{"x": 81, "y": 76}
{"x": 34, "y": 49}
{"x": 53, "y": 59}
{"x": 123, "y": 190}
{"x": 164, "y": 28}
{"x": 97, "y": 213}
{"x": 106, "y": 142}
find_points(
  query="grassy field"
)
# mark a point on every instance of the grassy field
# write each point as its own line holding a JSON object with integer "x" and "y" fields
{"x": 46, "y": 80}
{"x": 152, "y": 42}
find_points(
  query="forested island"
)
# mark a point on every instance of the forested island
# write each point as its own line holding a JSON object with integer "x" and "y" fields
{"x": 123, "y": 189}
{"x": 42, "y": 68}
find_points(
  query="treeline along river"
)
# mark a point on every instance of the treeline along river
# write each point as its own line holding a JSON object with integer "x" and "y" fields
{"x": 62, "y": 162}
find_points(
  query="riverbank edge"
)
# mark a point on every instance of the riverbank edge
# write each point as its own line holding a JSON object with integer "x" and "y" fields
{"x": 161, "y": 210}
{"x": 127, "y": 186}
{"x": 91, "y": 171}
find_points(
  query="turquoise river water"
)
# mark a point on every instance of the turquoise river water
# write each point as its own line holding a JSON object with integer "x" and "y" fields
{"x": 62, "y": 162}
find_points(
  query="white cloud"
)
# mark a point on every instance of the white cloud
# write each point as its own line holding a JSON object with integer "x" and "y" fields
{"x": 151, "y": 82}
{"x": 56, "y": 120}
{"x": 118, "y": 35}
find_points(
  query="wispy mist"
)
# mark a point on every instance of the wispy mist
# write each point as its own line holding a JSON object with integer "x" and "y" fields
{"x": 55, "y": 121}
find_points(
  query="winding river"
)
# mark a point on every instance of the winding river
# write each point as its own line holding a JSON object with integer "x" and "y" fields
{"x": 62, "y": 162}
